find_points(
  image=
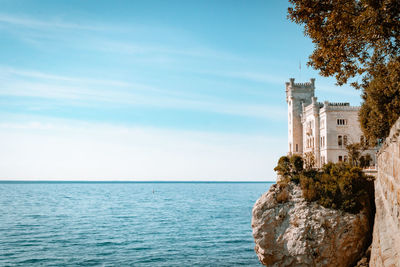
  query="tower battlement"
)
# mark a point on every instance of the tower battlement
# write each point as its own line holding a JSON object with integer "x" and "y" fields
{"x": 342, "y": 104}
{"x": 293, "y": 88}
{"x": 294, "y": 85}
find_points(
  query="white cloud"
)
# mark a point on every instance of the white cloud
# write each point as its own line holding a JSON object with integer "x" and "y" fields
{"x": 28, "y": 22}
{"x": 14, "y": 83}
{"x": 193, "y": 50}
{"x": 75, "y": 34}
{"x": 81, "y": 151}
{"x": 7, "y": 71}
{"x": 253, "y": 76}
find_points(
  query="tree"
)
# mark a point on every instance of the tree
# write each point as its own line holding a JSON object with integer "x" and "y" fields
{"x": 290, "y": 167}
{"x": 365, "y": 161}
{"x": 309, "y": 160}
{"x": 355, "y": 153}
{"x": 357, "y": 41}
{"x": 381, "y": 107}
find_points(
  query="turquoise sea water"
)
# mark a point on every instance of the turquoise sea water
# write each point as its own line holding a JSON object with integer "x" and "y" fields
{"x": 127, "y": 224}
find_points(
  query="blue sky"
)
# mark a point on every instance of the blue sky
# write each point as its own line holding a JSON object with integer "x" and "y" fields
{"x": 148, "y": 90}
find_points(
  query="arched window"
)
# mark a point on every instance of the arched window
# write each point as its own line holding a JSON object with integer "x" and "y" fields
{"x": 340, "y": 142}
{"x": 297, "y": 148}
{"x": 340, "y": 158}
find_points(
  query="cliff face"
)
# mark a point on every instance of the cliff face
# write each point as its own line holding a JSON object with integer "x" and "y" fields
{"x": 288, "y": 231}
{"x": 386, "y": 235}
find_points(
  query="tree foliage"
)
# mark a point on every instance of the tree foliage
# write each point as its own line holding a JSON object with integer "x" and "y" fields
{"x": 290, "y": 167}
{"x": 381, "y": 107}
{"x": 357, "y": 39}
{"x": 336, "y": 185}
{"x": 355, "y": 152}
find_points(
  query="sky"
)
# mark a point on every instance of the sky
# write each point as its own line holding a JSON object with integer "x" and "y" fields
{"x": 149, "y": 90}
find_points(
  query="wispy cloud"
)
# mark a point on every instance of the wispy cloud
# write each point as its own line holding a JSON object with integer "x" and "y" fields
{"x": 57, "y": 24}
{"x": 98, "y": 92}
{"x": 47, "y": 30}
{"x": 7, "y": 71}
{"x": 194, "y": 50}
{"x": 247, "y": 75}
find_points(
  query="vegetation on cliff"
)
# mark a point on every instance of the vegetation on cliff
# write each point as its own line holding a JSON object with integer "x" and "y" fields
{"x": 341, "y": 185}
{"x": 358, "y": 41}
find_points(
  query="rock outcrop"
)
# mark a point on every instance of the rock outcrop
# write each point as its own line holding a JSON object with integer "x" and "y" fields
{"x": 289, "y": 231}
{"x": 386, "y": 236}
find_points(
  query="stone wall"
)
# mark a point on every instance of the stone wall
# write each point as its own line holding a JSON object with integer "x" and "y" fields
{"x": 386, "y": 235}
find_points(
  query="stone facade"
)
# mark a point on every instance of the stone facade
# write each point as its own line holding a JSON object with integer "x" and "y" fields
{"x": 323, "y": 129}
{"x": 386, "y": 235}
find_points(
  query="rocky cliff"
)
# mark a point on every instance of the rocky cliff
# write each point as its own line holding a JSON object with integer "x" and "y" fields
{"x": 386, "y": 235}
{"x": 288, "y": 231}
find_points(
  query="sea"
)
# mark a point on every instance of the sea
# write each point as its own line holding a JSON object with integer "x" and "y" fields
{"x": 128, "y": 223}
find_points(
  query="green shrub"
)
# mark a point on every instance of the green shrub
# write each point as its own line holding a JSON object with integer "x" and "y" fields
{"x": 335, "y": 185}
{"x": 290, "y": 167}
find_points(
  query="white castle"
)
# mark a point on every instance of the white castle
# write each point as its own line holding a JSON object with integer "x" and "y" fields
{"x": 323, "y": 129}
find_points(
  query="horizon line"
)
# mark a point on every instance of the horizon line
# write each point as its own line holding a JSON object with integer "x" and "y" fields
{"x": 130, "y": 181}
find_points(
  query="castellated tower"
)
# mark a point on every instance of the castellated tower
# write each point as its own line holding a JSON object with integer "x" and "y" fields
{"x": 298, "y": 95}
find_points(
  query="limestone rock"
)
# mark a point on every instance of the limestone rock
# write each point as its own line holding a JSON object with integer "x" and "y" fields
{"x": 288, "y": 231}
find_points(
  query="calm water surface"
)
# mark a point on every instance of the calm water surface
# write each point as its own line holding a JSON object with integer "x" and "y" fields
{"x": 126, "y": 224}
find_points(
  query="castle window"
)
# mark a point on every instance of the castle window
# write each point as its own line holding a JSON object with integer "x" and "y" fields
{"x": 341, "y": 122}
{"x": 340, "y": 158}
{"x": 340, "y": 141}
{"x": 297, "y": 148}
{"x": 345, "y": 140}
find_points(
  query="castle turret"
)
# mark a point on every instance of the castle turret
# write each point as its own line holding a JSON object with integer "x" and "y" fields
{"x": 297, "y": 96}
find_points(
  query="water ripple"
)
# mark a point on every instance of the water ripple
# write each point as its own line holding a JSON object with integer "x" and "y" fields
{"x": 126, "y": 224}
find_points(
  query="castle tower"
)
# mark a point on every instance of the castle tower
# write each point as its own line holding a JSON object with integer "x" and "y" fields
{"x": 297, "y": 96}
